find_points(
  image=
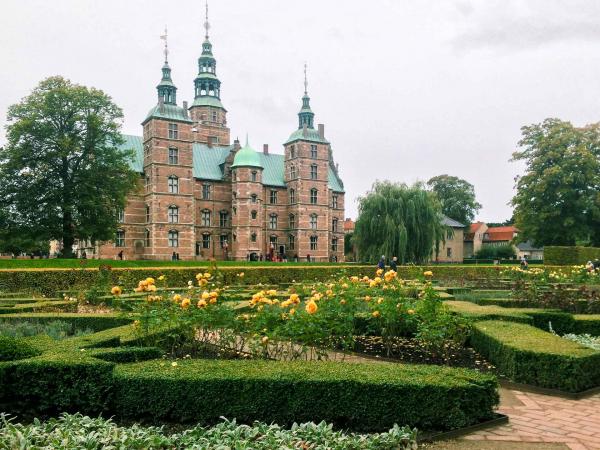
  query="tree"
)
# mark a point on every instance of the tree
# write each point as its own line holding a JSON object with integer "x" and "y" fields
{"x": 558, "y": 198}
{"x": 496, "y": 252}
{"x": 398, "y": 220}
{"x": 62, "y": 175}
{"x": 457, "y": 197}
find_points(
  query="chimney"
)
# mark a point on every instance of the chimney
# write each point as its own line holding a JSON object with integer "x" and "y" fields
{"x": 304, "y": 131}
{"x": 161, "y": 104}
{"x": 236, "y": 145}
{"x": 322, "y": 131}
{"x": 266, "y": 149}
{"x": 185, "y": 108}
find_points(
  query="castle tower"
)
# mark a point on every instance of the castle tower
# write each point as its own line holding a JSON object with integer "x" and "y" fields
{"x": 168, "y": 180}
{"x": 207, "y": 111}
{"x": 247, "y": 203}
{"x": 307, "y": 155}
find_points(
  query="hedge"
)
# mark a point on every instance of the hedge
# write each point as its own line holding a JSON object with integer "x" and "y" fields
{"x": 490, "y": 312}
{"x": 587, "y": 324}
{"x": 529, "y": 355}
{"x": 94, "y": 322}
{"x": 42, "y": 305}
{"x": 13, "y": 349}
{"x": 50, "y": 282}
{"x": 568, "y": 256}
{"x": 359, "y": 396}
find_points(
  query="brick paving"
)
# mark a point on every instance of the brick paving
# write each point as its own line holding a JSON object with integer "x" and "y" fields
{"x": 544, "y": 418}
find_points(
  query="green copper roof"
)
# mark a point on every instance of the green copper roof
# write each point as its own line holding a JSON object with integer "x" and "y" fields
{"x": 312, "y": 135}
{"x": 169, "y": 112}
{"x": 207, "y": 100}
{"x": 208, "y": 163}
{"x": 246, "y": 157}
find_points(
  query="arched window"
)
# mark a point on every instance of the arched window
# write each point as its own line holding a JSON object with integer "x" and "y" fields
{"x": 147, "y": 237}
{"x": 313, "y": 221}
{"x": 173, "y": 238}
{"x": 253, "y": 214}
{"x": 292, "y": 221}
{"x": 173, "y": 214}
{"x": 293, "y": 172}
{"x": 253, "y": 198}
{"x": 273, "y": 221}
{"x": 292, "y": 196}
{"x": 206, "y": 217}
{"x": 173, "y": 184}
{"x": 253, "y": 237}
{"x": 254, "y": 175}
{"x": 313, "y": 171}
{"x": 313, "y": 196}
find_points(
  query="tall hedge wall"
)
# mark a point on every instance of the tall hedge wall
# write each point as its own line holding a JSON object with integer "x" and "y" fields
{"x": 567, "y": 256}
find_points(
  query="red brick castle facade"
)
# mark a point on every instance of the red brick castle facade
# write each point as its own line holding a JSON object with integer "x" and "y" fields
{"x": 201, "y": 197}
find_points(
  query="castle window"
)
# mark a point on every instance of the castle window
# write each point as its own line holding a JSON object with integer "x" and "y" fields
{"x": 334, "y": 245}
{"x": 273, "y": 241}
{"x": 253, "y": 237}
{"x": 313, "y": 242}
{"x": 313, "y": 196}
{"x": 253, "y": 175}
{"x": 120, "y": 215}
{"x": 449, "y": 234}
{"x": 253, "y": 214}
{"x": 293, "y": 172}
{"x": 120, "y": 238}
{"x": 214, "y": 116}
{"x": 292, "y": 196}
{"x": 206, "y": 240}
{"x": 147, "y": 238}
{"x": 292, "y": 223}
{"x": 291, "y": 242}
{"x": 292, "y": 151}
{"x": 449, "y": 252}
{"x": 173, "y": 184}
{"x": 173, "y": 215}
{"x": 334, "y": 225}
{"x": 173, "y": 131}
{"x": 334, "y": 201}
{"x": 313, "y": 171}
{"x": 273, "y": 222}
{"x": 234, "y": 209}
{"x": 223, "y": 241}
{"x": 253, "y": 198}
{"x": 147, "y": 213}
{"x": 146, "y": 150}
{"x": 313, "y": 221}
{"x": 206, "y": 191}
{"x": 223, "y": 219}
{"x": 173, "y": 155}
{"x": 147, "y": 182}
{"x": 273, "y": 198}
{"x": 206, "y": 218}
{"x": 173, "y": 238}
{"x": 313, "y": 151}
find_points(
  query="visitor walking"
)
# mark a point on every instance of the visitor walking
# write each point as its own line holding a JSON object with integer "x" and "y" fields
{"x": 394, "y": 264}
{"x": 120, "y": 255}
{"x": 381, "y": 263}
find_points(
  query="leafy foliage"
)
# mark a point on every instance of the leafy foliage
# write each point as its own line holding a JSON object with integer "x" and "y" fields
{"x": 62, "y": 175}
{"x": 558, "y": 198}
{"x": 496, "y": 252}
{"x": 457, "y": 197}
{"x": 78, "y": 431}
{"x": 398, "y": 220}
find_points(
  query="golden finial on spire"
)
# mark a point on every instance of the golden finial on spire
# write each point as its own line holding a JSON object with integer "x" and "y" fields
{"x": 164, "y": 38}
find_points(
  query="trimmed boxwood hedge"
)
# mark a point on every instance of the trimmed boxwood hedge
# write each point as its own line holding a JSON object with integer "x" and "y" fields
{"x": 526, "y": 354}
{"x": 94, "y": 322}
{"x": 12, "y": 349}
{"x": 92, "y": 374}
{"x": 360, "y": 396}
{"x": 587, "y": 324}
{"x": 567, "y": 256}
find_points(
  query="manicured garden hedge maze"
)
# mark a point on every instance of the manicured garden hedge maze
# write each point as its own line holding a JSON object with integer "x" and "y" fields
{"x": 109, "y": 372}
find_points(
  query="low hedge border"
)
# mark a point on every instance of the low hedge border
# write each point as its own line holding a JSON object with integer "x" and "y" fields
{"x": 94, "y": 322}
{"x": 42, "y": 305}
{"x": 526, "y": 354}
{"x": 94, "y": 374}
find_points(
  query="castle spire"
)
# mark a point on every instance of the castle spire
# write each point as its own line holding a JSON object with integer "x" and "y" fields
{"x": 167, "y": 91}
{"x": 305, "y": 81}
{"x": 305, "y": 116}
{"x": 206, "y": 23}
{"x": 207, "y": 86}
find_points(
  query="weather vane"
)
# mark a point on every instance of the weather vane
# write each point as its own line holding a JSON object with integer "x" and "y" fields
{"x": 206, "y": 24}
{"x": 305, "y": 80}
{"x": 164, "y": 38}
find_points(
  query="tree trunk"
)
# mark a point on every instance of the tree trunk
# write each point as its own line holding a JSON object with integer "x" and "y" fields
{"x": 68, "y": 238}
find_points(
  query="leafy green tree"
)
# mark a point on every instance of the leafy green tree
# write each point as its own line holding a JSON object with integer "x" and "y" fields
{"x": 558, "y": 198}
{"x": 496, "y": 252}
{"x": 398, "y": 220}
{"x": 457, "y": 197}
{"x": 62, "y": 175}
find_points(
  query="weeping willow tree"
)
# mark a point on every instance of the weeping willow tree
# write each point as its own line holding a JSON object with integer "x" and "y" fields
{"x": 398, "y": 220}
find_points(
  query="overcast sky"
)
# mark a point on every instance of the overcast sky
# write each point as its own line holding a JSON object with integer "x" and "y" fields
{"x": 406, "y": 89}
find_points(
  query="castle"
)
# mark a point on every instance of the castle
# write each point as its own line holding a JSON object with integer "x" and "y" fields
{"x": 201, "y": 197}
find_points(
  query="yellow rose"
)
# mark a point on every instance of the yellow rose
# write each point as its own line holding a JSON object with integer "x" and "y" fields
{"x": 116, "y": 290}
{"x": 411, "y": 311}
{"x": 205, "y": 295}
{"x": 207, "y": 275}
{"x": 151, "y": 288}
{"x": 376, "y": 314}
{"x": 342, "y": 302}
{"x": 201, "y": 304}
{"x": 292, "y": 312}
{"x": 173, "y": 364}
{"x": 136, "y": 324}
{"x": 272, "y": 292}
{"x": 379, "y": 300}
{"x": 428, "y": 273}
{"x": 185, "y": 303}
{"x": 379, "y": 272}
{"x": 311, "y": 307}
{"x": 367, "y": 298}
{"x": 161, "y": 278}
{"x": 294, "y": 298}
{"x": 150, "y": 280}
{"x": 265, "y": 340}
{"x": 177, "y": 298}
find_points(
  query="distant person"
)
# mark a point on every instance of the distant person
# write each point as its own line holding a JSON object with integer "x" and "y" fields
{"x": 597, "y": 264}
{"x": 590, "y": 266}
{"x": 120, "y": 255}
{"x": 174, "y": 257}
{"x": 83, "y": 255}
{"x": 524, "y": 263}
{"x": 308, "y": 257}
{"x": 394, "y": 264}
{"x": 177, "y": 259}
{"x": 381, "y": 263}
{"x": 296, "y": 257}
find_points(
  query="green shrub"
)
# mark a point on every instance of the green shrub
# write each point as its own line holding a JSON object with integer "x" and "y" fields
{"x": 528, "y": 355}
{"x": 496, "y": 252}
{"x": 12, "y": 349}
{"x": 586, "y": 324}
{"x": 94, "y": 322}
{"x": 489, "y": 312}
{"x": 366, "y": 397}
{"x": 568, "y": 256}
